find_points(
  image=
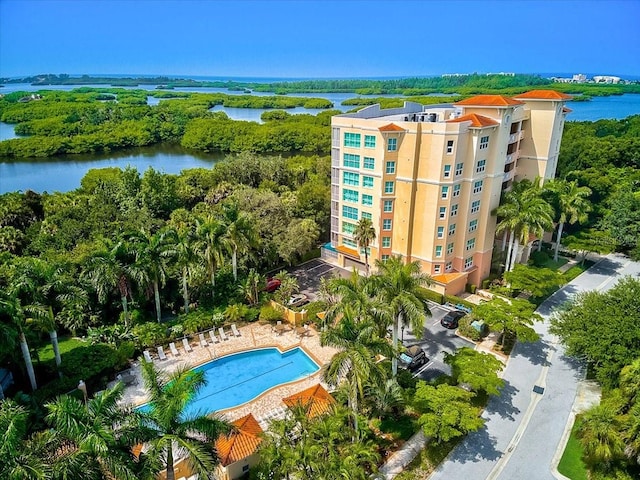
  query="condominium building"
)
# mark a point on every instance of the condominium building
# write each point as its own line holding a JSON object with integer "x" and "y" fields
{"x": 430, "y": 178}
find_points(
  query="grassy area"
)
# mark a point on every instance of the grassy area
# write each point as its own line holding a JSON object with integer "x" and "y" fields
{"x": 399, "y": 428}
{"x": 571, "y": 464}
{"x": 65, "y": 344}
{"x": 576, "y": 270}
{"x": 550, "y": 263}
{"x": 427, "y": 460}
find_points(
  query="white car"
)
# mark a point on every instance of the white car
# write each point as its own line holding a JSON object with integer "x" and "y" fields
{"x": 298, "y": 300}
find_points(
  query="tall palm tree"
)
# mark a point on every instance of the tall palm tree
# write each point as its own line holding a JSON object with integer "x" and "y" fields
{"x": 364, "y": 235}
{"x": 172, "y": 430}
{"x": 401, "y": 287}
{"x": 573, "y": 205}
{"x": 153, "y": 253}
{"x": 240, "y": 233}
{"x": 252, "y": 286}
{"x": 210, "y": 246}
{"x": 186, "y": 260}
{"x": 358, "y": 345}
{"x": 95, "y": 439}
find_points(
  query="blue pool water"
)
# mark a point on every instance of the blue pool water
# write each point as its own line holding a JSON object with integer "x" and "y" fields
{"x": 235, "y": 379}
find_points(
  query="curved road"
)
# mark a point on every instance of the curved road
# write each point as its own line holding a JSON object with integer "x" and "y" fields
{"x": 523, "y": 427}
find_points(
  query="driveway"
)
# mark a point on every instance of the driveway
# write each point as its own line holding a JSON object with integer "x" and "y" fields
{"x": 309, "y": 274}
{"x": 524, "y": 425}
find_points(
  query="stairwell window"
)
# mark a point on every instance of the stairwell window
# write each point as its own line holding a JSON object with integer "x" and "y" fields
{"x": 392, "y": 144}
{"x": 447, "y": 171}
{"x": 388, "y": 206}
{"x": 443, "y": 213}
{"x": 386, "y": 224}
{"x": 386, "y": 242}
{"x": 444, "y": 193}
{"x": 438, "y": 251}
{"x": 390, "y": 168}
{"x": 388, "y": 187}
{"x": 440, "y": 232}
{"x": 449, "y": 147}
{"x": 484, "y": 142}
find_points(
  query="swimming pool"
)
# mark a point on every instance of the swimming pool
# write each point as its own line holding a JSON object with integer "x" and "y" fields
{"x": 238, "y": 378}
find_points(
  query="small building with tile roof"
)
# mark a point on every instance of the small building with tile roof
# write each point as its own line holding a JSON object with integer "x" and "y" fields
{"x": 238, "y": 450}
{"x": 316, "y": 400}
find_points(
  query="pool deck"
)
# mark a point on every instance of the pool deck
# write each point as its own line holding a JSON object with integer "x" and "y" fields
{"x": 267, "y": 405}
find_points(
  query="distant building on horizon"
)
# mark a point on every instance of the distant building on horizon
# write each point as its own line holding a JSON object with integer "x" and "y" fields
{"x": 431, "y": 176}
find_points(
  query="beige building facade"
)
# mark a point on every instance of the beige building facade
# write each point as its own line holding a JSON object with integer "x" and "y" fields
{"x": 430, "y": 178}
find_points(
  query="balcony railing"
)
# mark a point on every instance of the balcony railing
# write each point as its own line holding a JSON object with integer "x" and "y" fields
{"x": 335, "y": 176}
{"x": 508, "y": 175}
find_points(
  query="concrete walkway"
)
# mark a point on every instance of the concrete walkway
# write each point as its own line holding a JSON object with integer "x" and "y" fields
{"x": 403, "y": 457}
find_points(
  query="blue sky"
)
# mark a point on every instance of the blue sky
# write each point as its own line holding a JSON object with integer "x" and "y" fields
{"x": 318, "y": 38}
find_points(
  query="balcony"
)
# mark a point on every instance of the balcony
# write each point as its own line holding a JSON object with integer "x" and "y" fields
{"x": 512, "y": 157}
{"x": 508, "y": 175}
{"x": 514, "y": 137}
{"x": 335, "y": 176}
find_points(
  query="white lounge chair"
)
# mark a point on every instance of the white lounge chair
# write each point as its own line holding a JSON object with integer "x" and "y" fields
{"x": 185, "y": 344}
{"x": 161, "y": 354}
{"x": 214, "y": 339}
{"x": 147, "y": 356}
{"x": 203, "y": 341}
{"x": 235, "y": 330}
{"x": 174, "y": 350}
{"x": 223, "y": 335}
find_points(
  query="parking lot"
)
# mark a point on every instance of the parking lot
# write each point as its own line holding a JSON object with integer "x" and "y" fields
{"x": 310, "y": 273}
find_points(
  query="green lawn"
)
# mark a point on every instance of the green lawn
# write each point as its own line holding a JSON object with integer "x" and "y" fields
{"x": 555, "y": 265}
{"x": 571, "y": 464}
{"x": 65, "y": 344}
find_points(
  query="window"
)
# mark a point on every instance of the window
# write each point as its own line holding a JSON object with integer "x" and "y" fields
{"x": 454, "y": 210}
{"x": 477, "y": 186}
{"x": 348, "y": 228}
{"x": 352, "y": 140}
{"x": 475, "y": 206}
{"x": 349, "y": 178}
{"x": 388, "y": 187}
{"x": 484, "y": 143}
{"x": 447, "y": 171}
{"x": 365, "y": 215}
{"x": 350, "y": 212}
{"x": 351, "y": 161}
{"x": 367, "y": 199}
{"x": 468, "y": 262}
{"x": 445, "y": 192}
{"x": 459, "y": 168}
{"x": 438, "y": 251}
{"x": 449, "y": 248}
{"x": 436, "y": 268}
{"x": 369, "y": 163}
{"x": 440, "y": 232}
{"x": 452, "y": 229}
{"x": 367, "y": 181}
{"x": 449, "y": 147}
{"x": 443, "y": 212}
{"x": 471, "y": 243}
{"x": 480, "y": 166}
{"x": 388, "y": 206}
{"x": 456, "y": 190}
{"x": 350, "y": 195}
{"x": 473, "y": 225}
{"x": 369, "y": 141}
{"x": 385, "y": 258}
{"x": 349, "y": 243}
{"x": 386, "y": 242}
{"x": 392, "y": 144}
{"x": 448, "y": 267}
{"x": 386, "y": 224}
{"x": 390, "y": 168}
{"x": 245, "y": 468}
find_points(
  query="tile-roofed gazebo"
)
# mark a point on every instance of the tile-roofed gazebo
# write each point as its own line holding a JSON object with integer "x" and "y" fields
{"x": 316, "y": 400}
{"x": 240, "y": 443}
{"x": 477, "y": 121}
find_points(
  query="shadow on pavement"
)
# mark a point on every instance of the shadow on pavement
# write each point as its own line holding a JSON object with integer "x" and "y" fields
{"x": 478, "y": 447}
{"x": 503, "y": 405}
{"x": 535, "y": 352}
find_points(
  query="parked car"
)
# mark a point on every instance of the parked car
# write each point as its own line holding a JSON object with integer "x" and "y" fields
{"x": 298, "y": 300}
{"x": 272, "y": 285}
{"x": 413, "y": 358}
{"x": 450, "y": 320}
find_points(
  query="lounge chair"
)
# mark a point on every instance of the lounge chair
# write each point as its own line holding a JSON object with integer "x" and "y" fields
{"x": 223, "y": 335}
{"x": 214, "y": 339}
{"x": 235, "y": 330}
{"x": 203, "y": 341}
{"x": 174, "y": 350}
{"x": 185, "y": 344}
{"x": 161, "y": 354}
{"x": 147, "y": 356}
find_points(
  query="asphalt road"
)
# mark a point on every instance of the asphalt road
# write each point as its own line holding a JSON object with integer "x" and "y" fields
{"x": 523, "y": 428}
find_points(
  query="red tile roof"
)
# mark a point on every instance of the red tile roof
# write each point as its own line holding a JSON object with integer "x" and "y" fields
{"x": 544, "y": 95}
{"x": 240, "y": 443}
{"x": 446, "y": 278}
{"x": 489, "y": 101}
{"x": 348, "y": 251}
{"x": 392, "y": 127}
{"x": 316, "y": 400}
{"x": 476, "y": 120}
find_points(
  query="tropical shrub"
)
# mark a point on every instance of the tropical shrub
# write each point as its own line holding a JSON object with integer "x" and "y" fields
{"x": 270, "y": 314}
{"x": 149, "y": 334}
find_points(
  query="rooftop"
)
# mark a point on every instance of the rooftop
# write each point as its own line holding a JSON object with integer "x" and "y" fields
{"x": 489, "y": 101}
{"x": 240, "y": 443}
{"x": 476, "y": 120}
{"x": 316, "y": 400}
{"x": 544, "y": 95}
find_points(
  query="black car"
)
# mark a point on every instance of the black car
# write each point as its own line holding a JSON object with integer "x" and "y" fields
{"x": 450, "y": 320}
{"x": 413, "y": 357}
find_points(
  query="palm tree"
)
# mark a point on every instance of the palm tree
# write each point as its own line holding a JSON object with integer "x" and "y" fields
{"x": 631, "y": 435}
{"x": 573, "y": 205}
{"x": 599, "y": 433}
{"x": 402, "y": 289}
{"x": 108, "y": 270}
{"x": 252, "y": 286}
{"x": 240, "y": 232}
{"x": 355, "y": 362}
{"x": 153, "y": 252}
{"x": 288, "y": 286}
{"x": 95, "y": 440}
{"x": 364, "y": 235}
{"x": 186, "y": 259}
{"x": 171, "y": 428}
{"x": 210, "y": 246}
